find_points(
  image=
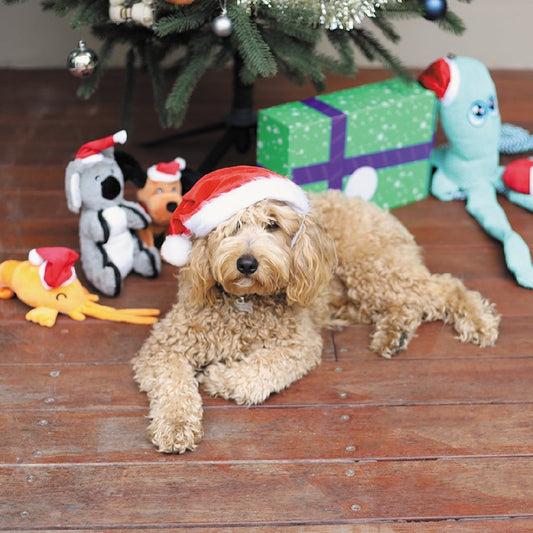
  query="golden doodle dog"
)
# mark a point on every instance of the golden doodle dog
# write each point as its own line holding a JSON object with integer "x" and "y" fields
{"x": 264, "y": 268}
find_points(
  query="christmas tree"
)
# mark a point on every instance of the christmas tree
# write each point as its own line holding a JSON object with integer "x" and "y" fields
{"x": 177, "y": 41}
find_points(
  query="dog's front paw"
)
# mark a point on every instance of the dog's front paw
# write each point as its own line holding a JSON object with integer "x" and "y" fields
{"x": 389, "y": 343}
{"x": 233, "y": 383}
{"x": 173, "y": 435}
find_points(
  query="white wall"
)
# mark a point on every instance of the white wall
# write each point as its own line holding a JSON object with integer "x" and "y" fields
{"x": 498, "y": 33}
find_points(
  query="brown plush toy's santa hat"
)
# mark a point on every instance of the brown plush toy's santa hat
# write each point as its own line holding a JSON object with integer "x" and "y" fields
{"x": 56, "y": 265}
{"x": 91, "y": 152}
{"x": 167, "y": 172}
{"x": 218, "y": 196}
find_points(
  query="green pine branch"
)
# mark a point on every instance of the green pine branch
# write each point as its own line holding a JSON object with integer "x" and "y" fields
{"x": 269, "y": 38}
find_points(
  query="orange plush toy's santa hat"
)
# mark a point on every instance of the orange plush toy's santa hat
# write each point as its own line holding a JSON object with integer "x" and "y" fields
{"x": 218, "y": 196}
{"x": 91, "y": 152}
{"x": 167, "y": 172}
{"x": 56, "y": 265}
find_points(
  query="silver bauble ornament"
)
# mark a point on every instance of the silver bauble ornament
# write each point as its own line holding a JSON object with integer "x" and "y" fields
{"x": 82, "y": 61}
{"x": 222, "y": 25}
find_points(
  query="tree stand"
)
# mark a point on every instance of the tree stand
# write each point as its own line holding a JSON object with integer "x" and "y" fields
{"x": 240, "y": 125}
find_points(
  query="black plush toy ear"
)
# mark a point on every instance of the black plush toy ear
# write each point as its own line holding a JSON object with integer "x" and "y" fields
{"x": 131, "y": 168}
{"x": 188, "y": 178}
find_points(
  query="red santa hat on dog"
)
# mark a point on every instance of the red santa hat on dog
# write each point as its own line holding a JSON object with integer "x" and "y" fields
{"x": 167, "y": 172}
{"x": 218, "y": 196}
{"x": 56, "y": 265}
{"x": 91, "y": 152}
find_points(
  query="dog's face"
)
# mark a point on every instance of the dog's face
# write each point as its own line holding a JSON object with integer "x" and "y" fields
{"x": 265, "y": 249}
{"x": 250, "y": 253}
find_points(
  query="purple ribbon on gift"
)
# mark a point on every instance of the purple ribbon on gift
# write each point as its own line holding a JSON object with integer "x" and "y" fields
{"x": 338, "y": 166}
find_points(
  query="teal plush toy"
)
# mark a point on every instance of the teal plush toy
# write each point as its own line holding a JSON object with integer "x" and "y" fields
{"x": 468, "y": 166}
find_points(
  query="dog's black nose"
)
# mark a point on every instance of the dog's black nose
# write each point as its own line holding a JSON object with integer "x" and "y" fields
{"x": 171, "y": 206}
{"x": 247, "y": 264}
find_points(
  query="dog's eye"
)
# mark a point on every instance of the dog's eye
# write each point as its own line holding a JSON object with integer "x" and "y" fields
{"x": 272, "y": 225}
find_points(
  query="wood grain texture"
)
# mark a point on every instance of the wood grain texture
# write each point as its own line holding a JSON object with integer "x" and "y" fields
{"x": 438, "y": 440}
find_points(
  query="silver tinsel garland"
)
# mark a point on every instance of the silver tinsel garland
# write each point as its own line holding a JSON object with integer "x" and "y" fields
{"x": 332, "y": 14}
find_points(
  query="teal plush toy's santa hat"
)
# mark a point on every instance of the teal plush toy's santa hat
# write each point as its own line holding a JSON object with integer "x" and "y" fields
{"x": 443, "y": 78}
{"x": 219, "y": 195}
{"x": 91, "y": 152}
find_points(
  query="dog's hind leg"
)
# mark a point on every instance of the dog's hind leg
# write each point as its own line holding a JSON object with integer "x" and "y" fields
{"x": 429, "y": 298}
{"x": 473, "y": 317}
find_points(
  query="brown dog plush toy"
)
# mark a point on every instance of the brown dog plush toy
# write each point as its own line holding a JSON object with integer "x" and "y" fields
{"x": 159, "y": 191}
{"x": 160, "y": 195}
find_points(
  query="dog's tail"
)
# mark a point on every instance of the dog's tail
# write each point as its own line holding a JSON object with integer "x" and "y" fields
{"x": 473, "y": 317}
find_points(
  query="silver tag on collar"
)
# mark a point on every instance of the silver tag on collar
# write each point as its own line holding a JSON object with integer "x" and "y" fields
{"x": 243, "y": 305}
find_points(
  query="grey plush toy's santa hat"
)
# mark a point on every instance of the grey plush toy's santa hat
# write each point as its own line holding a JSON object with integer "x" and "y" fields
{"x": 218, "y": 196}
{"x": 91, "y": 152}
{"x": 167, "y": 172}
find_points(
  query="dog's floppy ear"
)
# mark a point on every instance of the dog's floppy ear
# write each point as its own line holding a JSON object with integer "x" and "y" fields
{"x": 197, "y": 277}
{"x": 313, "y": 260}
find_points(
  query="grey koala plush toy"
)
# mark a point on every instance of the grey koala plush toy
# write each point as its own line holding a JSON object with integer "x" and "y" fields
{"x": 109, "y": 246}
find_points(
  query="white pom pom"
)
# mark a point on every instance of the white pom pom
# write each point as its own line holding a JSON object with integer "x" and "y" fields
{"x": 120, "y": 137}
{"x": 34, "y": 258}
{"x": 175, "y": 250}
{"x": 181, "y": 161}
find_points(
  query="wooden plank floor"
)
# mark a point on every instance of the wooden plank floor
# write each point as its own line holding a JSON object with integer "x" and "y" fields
{"x": 440, "y": 439}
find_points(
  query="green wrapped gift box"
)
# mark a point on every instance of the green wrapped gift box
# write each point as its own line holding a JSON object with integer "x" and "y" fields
{"x": 372, "y": 141}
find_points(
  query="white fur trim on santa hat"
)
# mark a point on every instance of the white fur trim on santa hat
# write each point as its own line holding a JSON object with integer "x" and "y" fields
{"x": 223, "y": 207}
{"x": 175, "y": 249}
{"x": 94, "y": 158}
{"x": 453, "y": 86}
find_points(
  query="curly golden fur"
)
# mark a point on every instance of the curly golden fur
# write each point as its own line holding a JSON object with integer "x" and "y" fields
{"x": 259, "y": 288}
